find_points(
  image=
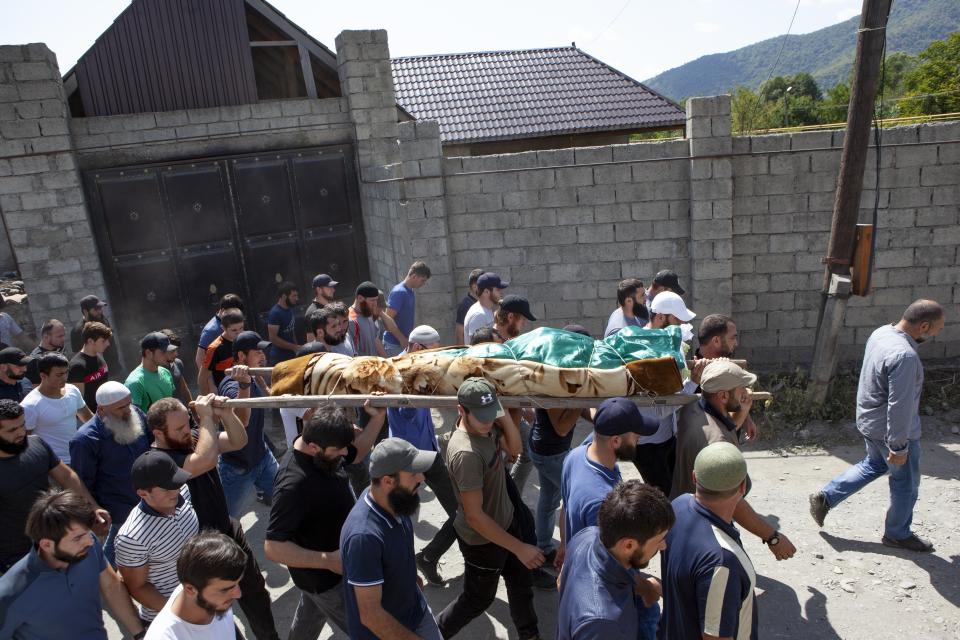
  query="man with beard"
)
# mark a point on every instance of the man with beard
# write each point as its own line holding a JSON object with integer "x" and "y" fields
{"x": 53, "y": 335}
{"x": 13, "y": 369}
{"x": 210, "y": 569}
{"x": 363, "y": 336}
{"x": 511, "y": 316}
{"x": 324, "y": 288}
{"x": 631, "y": 308}
{"x": 27, "y": 465}
{"x": 151, "y": 381}
{"x": 706, "y": 421}
{"x": 307, "y": 540}
{"x": 281, "y": 324}
{"x": 717, "y": 337}
{"x": 59, "y": 588}
{"x": 53, "y": 407}
{"x": 103, "y": 452}
{"x": 383, "y": 593}
{"x": 597, "y": 586}
{"x": 91, "y": 310}
{"x": 197, "y": 451}
{"x": 328, "y": 326}
{"x": 665, "y": 280}
{"x": 88, "y": 370}
{"x": 489, "y": 292}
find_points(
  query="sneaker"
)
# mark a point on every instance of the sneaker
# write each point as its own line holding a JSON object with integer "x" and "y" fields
{"x": 818, "y": 507}
{"x": 911, "y": 543}
{"x": 429, "y": 570}
{"x": 543, "y": 580}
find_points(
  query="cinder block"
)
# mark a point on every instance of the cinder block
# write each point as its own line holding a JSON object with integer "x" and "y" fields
{"x": 940, "y": 175}
{"x": 773, "y": 142}
{"x": 910, "y": 197}
{"x": 593, "y": 233}
{"x": 558, "y": 236}
{"x": 710, "y": 146}
{"x": 938, "y": 256}
{"x": 575, "y": 215}
{"x": 783, "y": 301}
{"x": 537, "y": 218}
{"x": 557, "y": 197}
{"x": 712, "y": 270}
{"x": 630, "y": 231}
{"x": 598, "y": 194}
{"x": 811, "y": 140}
{"x": 789, "y": 163}
{"x": 671, "y": 228}
{"x": 592, "y": 155}
{"x": 612, "y": 213}
{"x": 915, "y": 156}
{"x": 574, "y": 176}
{"x": 539, "y": 179}
{"x": 751, "y": 283}
{"x": 772, "y": 264}
{"x": 650, "y": 210}
{"x": 484, "y": 202}
{"x": 612, "y": 174}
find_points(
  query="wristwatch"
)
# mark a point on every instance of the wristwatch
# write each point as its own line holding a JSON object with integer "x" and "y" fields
{"x": 773, "y": 540}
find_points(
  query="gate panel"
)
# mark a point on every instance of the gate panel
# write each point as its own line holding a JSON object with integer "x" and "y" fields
{"x": 198, "y": 204}
{"x": 321, "y": 189}
{"x": 134, "y": 217}
{"x": 262, "y": 188}
{"x": 270, "y": 262}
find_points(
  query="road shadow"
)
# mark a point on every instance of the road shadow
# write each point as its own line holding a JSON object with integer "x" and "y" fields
{"x": 781, "y": 616}
{"x": 943, "y": 572}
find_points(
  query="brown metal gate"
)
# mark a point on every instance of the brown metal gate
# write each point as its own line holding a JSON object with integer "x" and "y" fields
{"x": 175, "y": 237}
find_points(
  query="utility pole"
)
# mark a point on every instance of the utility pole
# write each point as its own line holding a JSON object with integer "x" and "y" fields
{"x": 836, "y": 277}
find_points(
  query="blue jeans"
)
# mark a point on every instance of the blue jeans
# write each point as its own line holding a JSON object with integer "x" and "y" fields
{"x": 647, "y": 620}
{"x": 238, "y": 484}
{"x": 904, "y": 484}
{"x": 550, "y": 469}
{"x": 391, "y": 349}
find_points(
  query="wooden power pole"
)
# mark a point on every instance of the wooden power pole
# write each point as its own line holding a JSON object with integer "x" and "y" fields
{"x": 846, "y": 206}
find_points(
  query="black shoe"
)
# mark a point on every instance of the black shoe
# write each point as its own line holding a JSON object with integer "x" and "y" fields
{"x": 550, "y": 557}
{"x": 912, "y": 543}
{"x": 429, "y": 570}
{"x": 819, "y": 507}
{"x": 543, "y": 580}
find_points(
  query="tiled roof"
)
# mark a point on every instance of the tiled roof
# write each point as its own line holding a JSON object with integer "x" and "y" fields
{"x": 504, "y": 95}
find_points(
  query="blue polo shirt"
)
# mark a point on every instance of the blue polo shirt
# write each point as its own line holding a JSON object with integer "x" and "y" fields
{"x": 413, "y": 425}
{"x": 377, "y": 549}
{"x": 596, "y": 593}
{"x": 584, "y": 484}
{"x": 210, "y": 331}
{"x": 256, "y": 448}
{"x": 708, "y": 580}
{"x": 403, "y": 300}
{"x": 285, "y": 322}
{"x": 104, "y": 466}
{"x": 38, "y": 602}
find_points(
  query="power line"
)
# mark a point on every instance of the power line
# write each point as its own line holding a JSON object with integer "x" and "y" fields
{"x": 615, "y": 18}
{"x": 783, "y": 44}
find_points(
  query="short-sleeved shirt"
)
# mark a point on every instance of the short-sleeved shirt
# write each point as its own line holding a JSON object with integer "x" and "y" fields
{"x": 210, "y": 331}
{"x": 146, "y": 387}
{"x": 91, "y": 371}
{"x": 544, "y": 440}
{"x": 377, "y": 549}
{"x": 618, "y": 321}
{"x": 362, "y": 334}
{"x": 286, "y": 323}
{"x": 218, "y": 358}
{"x": 299, "y": 482}
{"x": 206, "y": 495}
{"x": 478, "y": 317}
{"x": 584, "y": 483}
{"x": 54, "y": 419}
{"x": 708, "y": 580}
{"x": 463, "y": 306}
{"x": 8, "y": 328}
{"x": 15, "y": 391}
{"x": 403, "y": 300}
{"x": 252, "y": 453}
{"x": 22, "y": 479}
{"x": 413, "y": 425}
{"x": 476, "y": 463}
{"x": 38, "y": 602}
{"x": 149, "y": 538}
{"x": 169, "y": 626}
{"x": 176, "y": 371}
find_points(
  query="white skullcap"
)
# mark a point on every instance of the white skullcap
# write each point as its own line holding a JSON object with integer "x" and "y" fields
{"x": 111, "y": 392}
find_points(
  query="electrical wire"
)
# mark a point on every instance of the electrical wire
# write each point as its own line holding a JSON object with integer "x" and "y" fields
{"x": 878, "y": 142}
{"x": 773, "y": 67}
{"x": 611, "y": 23}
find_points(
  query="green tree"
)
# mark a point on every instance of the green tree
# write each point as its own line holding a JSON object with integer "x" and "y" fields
{"x": 835, "y": 104}
{"x": 936, "y": 80}
{"x": 749, "y": 111}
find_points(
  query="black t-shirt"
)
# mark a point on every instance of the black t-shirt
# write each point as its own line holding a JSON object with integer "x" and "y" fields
{"x": 206, "y": 494}
{"x": 92, "y": 372}
{"x": 33, "y": 369}
{"x": 176, "y": 370}
{"x": 544, "y": 441}
{"x": 22, "y": 479}
{"x": 13, "y": 392}
{"x": 110, "y": 355}
{"x": 220, "y": 360}
{"x": 309, "y": 509}
{"x": 463, "y": 307}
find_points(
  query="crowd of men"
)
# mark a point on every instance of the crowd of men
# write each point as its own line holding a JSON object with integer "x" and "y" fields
{"x": 128, "y": 494}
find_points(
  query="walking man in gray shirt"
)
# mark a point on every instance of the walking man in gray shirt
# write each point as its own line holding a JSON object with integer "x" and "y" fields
{"x": 888, "y": 402}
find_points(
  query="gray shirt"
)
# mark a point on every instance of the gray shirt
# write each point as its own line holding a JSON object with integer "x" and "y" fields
{"x": 618, "y": 321}
{"x": 888, "y": 397}
{"x": 363, "y": 335}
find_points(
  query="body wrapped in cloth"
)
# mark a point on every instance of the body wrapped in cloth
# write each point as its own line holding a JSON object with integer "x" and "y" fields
{"x": 544, "y": 362}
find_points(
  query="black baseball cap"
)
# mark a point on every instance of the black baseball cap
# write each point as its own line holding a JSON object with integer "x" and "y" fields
{"x": 323, "y": 280}
{"x": 91, "y": 302}
{"x": 667, "y": 278}
{"x": 368, "y": 290}
{"x": 617, "y": 416}
{"x": 156, "y": 340}
{"x": 310, "y": 348}
{"x": 12, "y": 355}
{"x": 491, "y": 280}
{"x": 157, "y": 469}
{"x": 248, "y": 341}
{"x": 577, "y": 328}
{"x": 517, "y": 304}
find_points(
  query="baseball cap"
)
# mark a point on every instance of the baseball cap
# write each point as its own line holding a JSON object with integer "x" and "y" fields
{"x": 157, "y": 469}
{"x": 310, "y": 348}
{"x": 249, "y": 340}
{"x": 720, "y": 466}
{"x": 91, "y": 302}
{"x": 517, "y": 304}
{"x": 577, "y": 328}
{"x": 156, "y": 340}
{"x": 667, "y": 302}
{"x": 480, "y": 397}
{"x": 12, "y": 355}
{"x": 617, "y": 416}
{"x": 724, "y": 375}
{"x": 667, "y": 278}
{"x": 491, "y": 280}
{"x": 424, "y": 334}
{"x": 396, "y": 454}
{"x": 323, "y": 280}
{"x": 110, "y": 392}
{"x": 368, "y": 290}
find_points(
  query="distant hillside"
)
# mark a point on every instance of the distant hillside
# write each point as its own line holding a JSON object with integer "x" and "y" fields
{"x": 826, "y": 54}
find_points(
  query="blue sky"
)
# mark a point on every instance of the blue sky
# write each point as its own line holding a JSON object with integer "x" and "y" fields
{"x": 639, "y": 37}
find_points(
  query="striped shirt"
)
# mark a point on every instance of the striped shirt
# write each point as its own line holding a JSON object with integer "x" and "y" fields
{"x": 151, "y": 538}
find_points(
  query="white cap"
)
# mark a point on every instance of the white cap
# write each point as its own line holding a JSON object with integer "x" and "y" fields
{"x": 425, "y": 335}
{"x": 111, "y": 392}
{"x": 669, "y": 303}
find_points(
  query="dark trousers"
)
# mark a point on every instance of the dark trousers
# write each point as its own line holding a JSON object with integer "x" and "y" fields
{"x": 656, "y": 462}
{"x": 254, "y": 600}
{"x": 483, "y": 566}
{"x": 438, "y": 480}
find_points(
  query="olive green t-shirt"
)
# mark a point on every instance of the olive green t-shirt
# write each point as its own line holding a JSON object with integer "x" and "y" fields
{"x": 476, "y": 462}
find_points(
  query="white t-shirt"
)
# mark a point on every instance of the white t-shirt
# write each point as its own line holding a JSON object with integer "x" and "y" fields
{"x": 54, "y": 420}
{"x": 478, "y": 317}
{"x": 167, "y": 626}
{"x": 289, "y": 418}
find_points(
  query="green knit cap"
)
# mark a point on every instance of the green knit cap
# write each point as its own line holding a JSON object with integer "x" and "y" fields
{"x": 720, "y": 467}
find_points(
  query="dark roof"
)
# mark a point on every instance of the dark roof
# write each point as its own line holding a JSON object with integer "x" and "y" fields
{"x": 504, "y": 95}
